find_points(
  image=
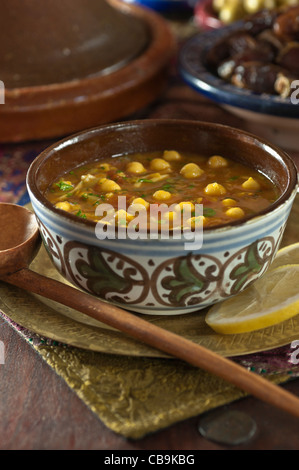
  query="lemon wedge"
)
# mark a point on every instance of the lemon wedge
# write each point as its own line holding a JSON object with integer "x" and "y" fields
{"x": 270, "y": 300}
{"x": 287, "y": 255}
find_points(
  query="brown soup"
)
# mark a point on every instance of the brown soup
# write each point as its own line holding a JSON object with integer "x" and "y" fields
{"x": 225, "y": 189}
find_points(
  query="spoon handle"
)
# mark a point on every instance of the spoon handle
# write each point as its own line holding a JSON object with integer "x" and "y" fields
{"x": 161, "y": 339}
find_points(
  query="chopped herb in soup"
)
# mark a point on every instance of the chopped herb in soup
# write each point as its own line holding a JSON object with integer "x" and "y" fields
{"x": 226, "y": 189}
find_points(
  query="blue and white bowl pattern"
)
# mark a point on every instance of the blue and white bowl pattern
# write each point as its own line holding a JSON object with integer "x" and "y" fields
{"x": 161, "y": 277}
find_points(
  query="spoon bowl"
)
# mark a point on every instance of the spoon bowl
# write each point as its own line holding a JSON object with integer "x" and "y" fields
{"x": 19, "y": 227}
{"x": 19, "y": 238}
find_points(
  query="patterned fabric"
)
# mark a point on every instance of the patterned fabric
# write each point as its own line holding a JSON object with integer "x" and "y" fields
{"x": 14, "y": 163}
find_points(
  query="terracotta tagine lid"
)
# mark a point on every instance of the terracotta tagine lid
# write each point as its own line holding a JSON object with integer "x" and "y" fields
{"x": 43, "y": 42}
{"x": 73, "y": 64}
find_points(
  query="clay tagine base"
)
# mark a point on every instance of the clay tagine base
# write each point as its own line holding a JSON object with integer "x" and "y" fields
{"x": 44, "y": 111}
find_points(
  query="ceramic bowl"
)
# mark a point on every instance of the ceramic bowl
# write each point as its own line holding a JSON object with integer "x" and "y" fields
{"x": 268, "y": 116}
{"x": 162, "y": 276}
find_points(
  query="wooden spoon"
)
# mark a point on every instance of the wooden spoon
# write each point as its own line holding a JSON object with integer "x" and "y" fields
{"x": 19, "y": 243}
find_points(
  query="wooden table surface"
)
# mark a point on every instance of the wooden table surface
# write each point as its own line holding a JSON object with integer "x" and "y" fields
{"x": 38, "y": 411}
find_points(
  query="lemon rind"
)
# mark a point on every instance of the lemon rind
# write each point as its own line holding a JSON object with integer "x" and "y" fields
{"x": 264, "y": 320}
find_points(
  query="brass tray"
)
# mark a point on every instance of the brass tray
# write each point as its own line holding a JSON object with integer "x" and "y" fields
{"x": 54, "y": 321}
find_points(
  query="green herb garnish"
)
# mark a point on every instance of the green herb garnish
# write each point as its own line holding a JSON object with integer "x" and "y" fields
{"x": 144, "y": 180}
{"x": 168, "y": 187}
{"x": 80, "y": 214}
{"x": 208, "y": 212}
{"x": 64, "y": 186}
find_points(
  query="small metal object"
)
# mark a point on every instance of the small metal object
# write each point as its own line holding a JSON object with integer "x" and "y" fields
{"x": 227, "y": 427}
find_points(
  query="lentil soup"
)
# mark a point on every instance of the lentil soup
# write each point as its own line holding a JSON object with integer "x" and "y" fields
{"x": 226, "y": 189}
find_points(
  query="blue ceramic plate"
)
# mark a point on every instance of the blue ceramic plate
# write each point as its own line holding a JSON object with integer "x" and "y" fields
{"x": 194, "y": 71}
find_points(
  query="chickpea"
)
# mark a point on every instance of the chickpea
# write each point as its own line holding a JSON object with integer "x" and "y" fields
{"x": 218, "y": 4}
{"x": 251, "y": 184}
{"x": 215, "y": 189}
{"x": 235, "y": 212}
{"x": 158, "y": 164}
{"x": 182, "y": 205}
{"x": 64, "y": 206}
{"x": 191, "y": 170}
{"x": 229, "y": 202}
{"x": 270, "y": 4}
{"x": 217, "y": 162}
{"x": 161, "y": 195}
{"x": 289, "y": 2}
{"x": 122, "y": 215}
{"x": 231, "y": 11}
{"x": 184, "y": 210}
{"x": 109, "y": 185}
{"x": 171, "y": 155}
{"x": 104, "y": 166}
{"x": 136, "y": 168}
{"x": 170, "y": 216}
{"x": 199, "y": 221}
{"x": 252, "y": 6}
{"x": 141, "y": 201}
